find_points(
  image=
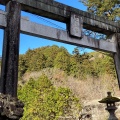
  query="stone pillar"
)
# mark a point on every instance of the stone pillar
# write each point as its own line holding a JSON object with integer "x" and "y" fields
{"x": 117, "y": 56}
{"x": 10, "y": 106}
{"x": 10, "y": 55}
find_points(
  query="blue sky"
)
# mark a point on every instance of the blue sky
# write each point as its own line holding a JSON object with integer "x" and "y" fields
{"x": 29, "y": 42}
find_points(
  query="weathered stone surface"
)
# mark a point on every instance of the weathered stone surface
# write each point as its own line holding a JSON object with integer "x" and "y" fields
{"x": 61, "y": 12}
{"x": 76, "y": 26}
{"x": 117, "y": 56}
{"x": 9, "y": 72}
{"x": 38, "y": 30}
{"x": 11, "y": 107}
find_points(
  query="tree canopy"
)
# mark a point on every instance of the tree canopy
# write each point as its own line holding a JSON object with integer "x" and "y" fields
{"x": 106, "y": 8}
{"x": 77, "y": 64}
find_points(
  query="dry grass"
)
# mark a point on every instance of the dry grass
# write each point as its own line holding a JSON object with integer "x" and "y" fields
{"x": 89, "y": 89}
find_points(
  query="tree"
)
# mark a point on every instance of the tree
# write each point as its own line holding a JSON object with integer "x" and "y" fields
{"x": 76, "y": 54}
{"x": 37, "y": 62}
{"x": 50, "y": 53}
{"x": 22, "y": 65}
{"x": 62, "y": 61}
{"x": 106, "y": 8}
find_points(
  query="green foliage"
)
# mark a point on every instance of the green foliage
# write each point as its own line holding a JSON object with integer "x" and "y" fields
{"x": 37, "y": 59}
{"x": 76, "y": 54}
{"x": 22, "y": 65}
{"x": 37, "y": 62}
{"x": 74, "y": 69}
{"x": 103, "y": 65}
{"x": 78, "y": 65}
{"x": 44, "y": 102}
{"x": 106, "y": 8}
{"x": 62, "y": 61}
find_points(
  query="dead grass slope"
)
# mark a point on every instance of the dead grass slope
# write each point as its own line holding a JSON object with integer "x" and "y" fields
{"x": 88, "y": 89}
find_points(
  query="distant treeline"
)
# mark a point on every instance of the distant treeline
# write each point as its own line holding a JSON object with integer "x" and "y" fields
{"x": 76, "y": 64}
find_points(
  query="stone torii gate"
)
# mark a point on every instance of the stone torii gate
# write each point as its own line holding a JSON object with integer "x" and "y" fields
{"x": 12, "y": 23}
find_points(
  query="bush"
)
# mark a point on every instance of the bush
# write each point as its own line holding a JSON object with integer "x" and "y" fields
{"x": 44, "y": 102}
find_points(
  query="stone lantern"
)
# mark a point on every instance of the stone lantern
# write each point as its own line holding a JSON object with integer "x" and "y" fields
{"x": 110, "y": 102}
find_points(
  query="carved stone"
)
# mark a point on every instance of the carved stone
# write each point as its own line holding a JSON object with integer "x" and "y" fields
{"x": 76, "y": 25}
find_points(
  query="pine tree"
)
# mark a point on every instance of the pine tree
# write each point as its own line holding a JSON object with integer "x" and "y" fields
{"x": 106, "y": 8}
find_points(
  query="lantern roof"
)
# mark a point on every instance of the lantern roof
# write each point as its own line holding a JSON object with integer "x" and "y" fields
{"x": 109, "y": 99}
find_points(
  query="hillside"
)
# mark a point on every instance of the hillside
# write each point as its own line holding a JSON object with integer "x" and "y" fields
{"x": 88, "y": 91}
{"x": 88, "y": 76}
{"x": 78, "y": 65}
{"x": 75, "y": 82}
{"x": 83, "y": 89}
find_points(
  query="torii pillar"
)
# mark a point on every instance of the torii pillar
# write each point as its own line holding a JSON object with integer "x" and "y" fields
{"x": 10, "y": 107}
